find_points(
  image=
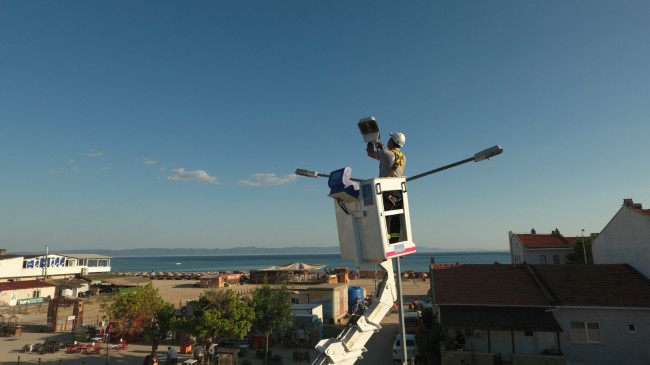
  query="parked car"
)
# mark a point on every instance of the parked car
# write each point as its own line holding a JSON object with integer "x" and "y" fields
{"x": 411, "y": 348}
{"x": 412, "y": 323}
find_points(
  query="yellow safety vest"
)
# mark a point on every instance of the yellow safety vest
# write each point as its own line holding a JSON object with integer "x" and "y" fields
{"x": 399, "y": 162}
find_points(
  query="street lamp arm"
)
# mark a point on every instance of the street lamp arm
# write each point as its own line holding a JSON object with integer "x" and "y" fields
{"x": 316, "y": 175}
{"x": 480, "y": 156}
{"x": 439, "y": 169}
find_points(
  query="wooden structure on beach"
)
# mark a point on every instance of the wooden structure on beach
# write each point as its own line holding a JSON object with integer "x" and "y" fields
{"x": 296, "y": 273}
{"x": 219, "y": 280}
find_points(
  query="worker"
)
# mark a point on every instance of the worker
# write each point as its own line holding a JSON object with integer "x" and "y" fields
{"x": 391, "y": 164}
{"x": 391, "y": 160}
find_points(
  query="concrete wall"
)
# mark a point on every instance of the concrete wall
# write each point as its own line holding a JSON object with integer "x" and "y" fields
{"x": 10, "y": 267}
{"x": 538, "y": 360}
{"x": 11, "y": 297}
{"x": 619, "y": 345}
{"x": 532, "y": 256}
{"x": 516, "y": 249}
{"x": 465, "y": 357}
{"x": 625, "y": 240}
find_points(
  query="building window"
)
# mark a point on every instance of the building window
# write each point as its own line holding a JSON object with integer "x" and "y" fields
{"x": 470, "y": 332}
{"x": 528, "y": 333}
{"x": 556, "y": 259}
{"x": 631, "y": 328}
{"x": 542, "y": 259}
{"x": 36, "y": 293}
{"x": 586, "y": 332}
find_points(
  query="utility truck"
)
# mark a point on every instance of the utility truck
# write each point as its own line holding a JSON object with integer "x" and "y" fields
{"x": 363, "y": 222}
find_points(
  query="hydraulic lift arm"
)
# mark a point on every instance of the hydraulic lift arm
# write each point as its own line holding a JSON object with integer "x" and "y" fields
{"x": 348, "y": 346}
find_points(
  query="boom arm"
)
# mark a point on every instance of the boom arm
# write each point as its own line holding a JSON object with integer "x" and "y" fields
{"x": 348, "y": 347}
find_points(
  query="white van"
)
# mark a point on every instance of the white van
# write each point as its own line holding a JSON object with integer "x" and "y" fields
{"x": 411, "y": 348}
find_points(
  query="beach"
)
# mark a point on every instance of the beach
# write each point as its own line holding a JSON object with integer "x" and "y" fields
{"x": 178, "y": 292}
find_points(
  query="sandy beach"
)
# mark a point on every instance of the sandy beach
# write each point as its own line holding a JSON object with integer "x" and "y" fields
{"x": 178, "y": 292}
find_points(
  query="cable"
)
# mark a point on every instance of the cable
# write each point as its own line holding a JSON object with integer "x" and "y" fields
{"x": 342, "y": 205}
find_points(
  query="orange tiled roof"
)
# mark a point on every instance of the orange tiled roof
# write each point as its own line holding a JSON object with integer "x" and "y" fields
{"x": 644, "y": 211}
{"x": 545, "y": 240}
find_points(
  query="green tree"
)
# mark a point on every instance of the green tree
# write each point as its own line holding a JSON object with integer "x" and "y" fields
{"x": 140, "y": 311}
{"x": 218, "y": 313}
{"x": 160, "y": 324}
{"x": 272, "y": 310}
{"x": 578, "y": 256}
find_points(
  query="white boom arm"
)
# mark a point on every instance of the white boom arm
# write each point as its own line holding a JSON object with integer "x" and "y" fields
{"x": 348, "y": 347}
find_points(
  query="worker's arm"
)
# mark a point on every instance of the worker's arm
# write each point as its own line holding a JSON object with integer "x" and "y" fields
{"x": 370, "y": 149}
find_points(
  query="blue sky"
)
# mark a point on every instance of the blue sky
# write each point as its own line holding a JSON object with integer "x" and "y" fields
{"x": 179, "y": 123}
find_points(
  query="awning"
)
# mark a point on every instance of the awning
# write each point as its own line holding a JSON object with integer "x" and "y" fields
{"x": 499, "y": 318}
{"x": 296, "y": 266}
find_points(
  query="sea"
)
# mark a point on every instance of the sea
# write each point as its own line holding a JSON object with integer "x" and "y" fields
{"x": 418, "y": 262}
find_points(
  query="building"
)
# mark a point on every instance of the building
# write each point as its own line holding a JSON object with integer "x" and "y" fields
{"x": 24, "y": 292}
{"x": 604, "y": 311}
{"x": 542, "y": 249}
{"x": 499, "y": 309}
{"x": 51, "y": 266}
{"x": 552, "y": 314}
{"x": 626, "y": 238}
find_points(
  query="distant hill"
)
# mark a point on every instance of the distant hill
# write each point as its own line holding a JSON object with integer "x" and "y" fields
{"x": 249, "y": 250}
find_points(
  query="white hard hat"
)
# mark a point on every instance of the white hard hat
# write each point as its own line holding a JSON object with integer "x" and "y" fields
{"x": 399, "y": 138}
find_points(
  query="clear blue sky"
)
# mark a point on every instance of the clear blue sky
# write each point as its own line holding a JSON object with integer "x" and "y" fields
{"x": 179, "y": 123}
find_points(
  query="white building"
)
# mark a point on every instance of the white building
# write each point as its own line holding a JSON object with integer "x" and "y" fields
{"x": 626, "y": 238}
{"x": 542, "y": 249}
{"x": 28, "y": 291}
{"x": 30, "y": 267}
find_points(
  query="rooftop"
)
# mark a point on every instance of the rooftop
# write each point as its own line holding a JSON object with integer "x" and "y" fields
{"x": 617, "y": 285}
{"x": 553, "y": 240}
{"x": 495, "y": 284}
{"x": 594, "y": 285}
{"x": 26, "y": 284}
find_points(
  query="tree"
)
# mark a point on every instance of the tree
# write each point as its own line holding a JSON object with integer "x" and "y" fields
{"x": 578, "y": 256}
{"x": 140, "y": 311}
{"x": 272, "y": 310}
{"x": 160, "y": 324}
{"x": 218, "y": 313}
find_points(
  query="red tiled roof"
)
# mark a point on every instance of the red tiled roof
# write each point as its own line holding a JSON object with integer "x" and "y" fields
{"x": 596, "y": 285}
{"x": 544, "y": 241}
{"x": 27, "y": 284}
{"x": 644, "y": 211}
{"x": 494, "y": 284}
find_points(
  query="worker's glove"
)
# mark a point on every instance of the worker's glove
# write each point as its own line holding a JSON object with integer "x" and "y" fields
{"x": 369, "y": 146}
{"x": 379, "y": 145}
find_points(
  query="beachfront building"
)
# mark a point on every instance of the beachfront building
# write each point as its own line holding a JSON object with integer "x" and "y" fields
{"x": 31, "y": 267}
{"x": 543, "y": 249}
{"x": 552, "y": 314}
{"x": 25, "y": 292}
{"x": 626, "y": 238}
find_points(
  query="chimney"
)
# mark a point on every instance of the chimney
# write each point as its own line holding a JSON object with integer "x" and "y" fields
{"x": 628, "y": 203}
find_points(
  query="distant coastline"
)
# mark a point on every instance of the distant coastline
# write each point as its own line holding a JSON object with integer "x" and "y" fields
{"x": 235, "y": 251}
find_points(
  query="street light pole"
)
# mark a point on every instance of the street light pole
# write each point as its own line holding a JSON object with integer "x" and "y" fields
{"x": 584, "y": 249}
